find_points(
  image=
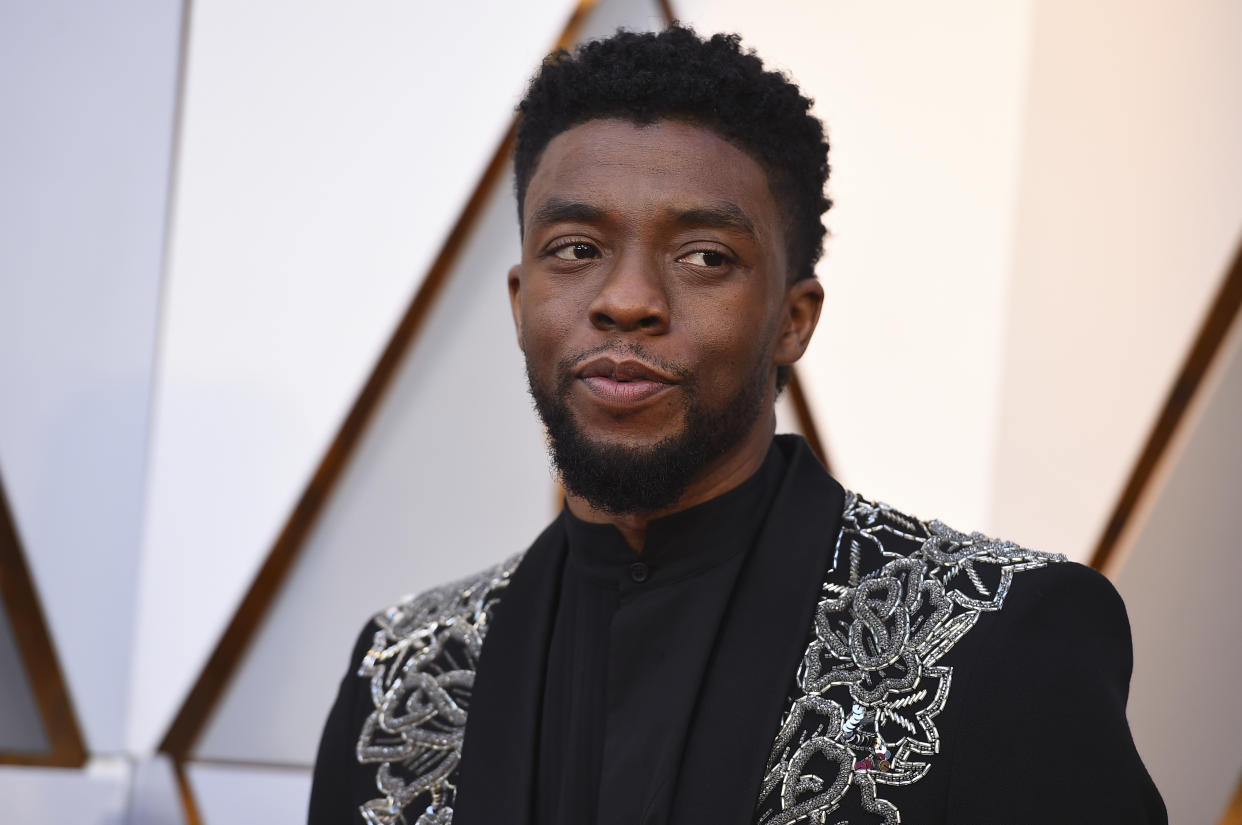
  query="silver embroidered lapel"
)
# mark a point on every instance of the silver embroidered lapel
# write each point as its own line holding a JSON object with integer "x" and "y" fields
{"x": 421, "y": 665}
{"x": 862, "y": 714}
{"x": 863, "y": 711}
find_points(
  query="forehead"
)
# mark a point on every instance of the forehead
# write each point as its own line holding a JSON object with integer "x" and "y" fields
{"x": 617, "y": 165}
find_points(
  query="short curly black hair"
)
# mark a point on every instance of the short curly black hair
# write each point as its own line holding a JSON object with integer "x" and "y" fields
{"x": 676, "y": 75}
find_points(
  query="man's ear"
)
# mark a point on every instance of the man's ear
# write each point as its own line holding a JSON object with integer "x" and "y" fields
{"x": 803, "y": 300}
{"x": 515, "y": 300}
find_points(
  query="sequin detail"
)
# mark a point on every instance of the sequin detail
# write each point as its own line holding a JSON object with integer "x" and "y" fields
{"x": 863, "y": 711}
{"x": 915, "y": 589}
{"x": 421, "y": 665}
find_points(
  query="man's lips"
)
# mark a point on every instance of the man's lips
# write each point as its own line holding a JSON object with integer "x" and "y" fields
{"x": 623, "y": 383}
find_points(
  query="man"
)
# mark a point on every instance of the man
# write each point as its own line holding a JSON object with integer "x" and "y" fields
{"x": 712, "y": 630}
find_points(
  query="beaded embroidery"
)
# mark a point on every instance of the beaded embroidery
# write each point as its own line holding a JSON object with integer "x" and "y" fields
{"x": 867, "y": 694}
{"x": 421, "y": 665}
{"x": 914, "y": 590}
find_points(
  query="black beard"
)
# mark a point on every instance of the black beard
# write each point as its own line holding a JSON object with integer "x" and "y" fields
{"x": 624, "y": 479}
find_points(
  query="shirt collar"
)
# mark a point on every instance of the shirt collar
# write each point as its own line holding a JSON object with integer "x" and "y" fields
{"x": 681, "y": 544}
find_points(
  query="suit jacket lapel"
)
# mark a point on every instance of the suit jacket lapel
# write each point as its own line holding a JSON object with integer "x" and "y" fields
{"x": 759, "y": 648}
{"x": 496, "y": 779}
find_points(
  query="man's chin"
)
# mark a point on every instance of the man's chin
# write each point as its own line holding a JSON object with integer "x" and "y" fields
{"x": 625, "y": 473}
{"x": 635, "y": 464}
{"x": 630, "y": 442}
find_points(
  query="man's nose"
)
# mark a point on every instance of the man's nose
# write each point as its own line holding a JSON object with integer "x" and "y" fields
{"x": 632, "y": 297}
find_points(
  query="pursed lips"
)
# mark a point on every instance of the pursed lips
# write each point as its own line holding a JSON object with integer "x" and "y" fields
{"x": 623, "y": 383}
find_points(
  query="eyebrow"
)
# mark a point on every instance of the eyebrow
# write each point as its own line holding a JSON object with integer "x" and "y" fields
{"x": 723, "y": 215}
{"x": 557, "y": 210}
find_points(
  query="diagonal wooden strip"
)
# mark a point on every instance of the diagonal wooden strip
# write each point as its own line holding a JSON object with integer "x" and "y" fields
{"x": 806, "y": 419}
{"x": 1233, "y": 814}
{"x": 218, "y": 671}
{"x": 189, "y": 804}
{"x": 1221, "y": 315}
{"x": 34, "y": 645}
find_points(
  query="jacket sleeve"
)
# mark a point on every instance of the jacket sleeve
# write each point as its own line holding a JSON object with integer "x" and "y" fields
{"x": 340, "y": 784}
{"x": 1047, "y": 738}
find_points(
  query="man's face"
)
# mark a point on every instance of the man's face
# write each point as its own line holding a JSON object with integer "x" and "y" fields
{"x": 652, "y": 304}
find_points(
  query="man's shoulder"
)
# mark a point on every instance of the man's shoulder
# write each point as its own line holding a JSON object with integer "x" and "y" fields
{"x": 975, "y": 571}
{"x": 464, "y": 600}
{"x": 889, "y": 640}
{"x": 876, "y": 532}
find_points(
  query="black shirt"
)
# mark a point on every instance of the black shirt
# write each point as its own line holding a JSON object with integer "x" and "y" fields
{"x": 630, "y": 644}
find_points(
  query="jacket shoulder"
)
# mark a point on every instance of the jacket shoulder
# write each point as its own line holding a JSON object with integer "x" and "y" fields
{"x": 468, "y": 598}
{"x": 874, "y": 534}
{"x": 878, "y": 672}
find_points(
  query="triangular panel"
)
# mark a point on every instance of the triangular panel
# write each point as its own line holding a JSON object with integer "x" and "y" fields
{"x": 1128, "y": 214}
{"x": 455, "y": 430}
{"x": 88, "y": 95}
{"x": 1180, "y": 582}
{"x": 923, "y": 113}
{"x": 316, "y": 182}
{"x": 38, "y": 725}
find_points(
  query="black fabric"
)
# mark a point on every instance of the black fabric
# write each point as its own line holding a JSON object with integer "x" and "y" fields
{"x": 572, "y": 725}
{"x": 496, "y": 780}
{"x": 760, "y": 646}
{"x": 1034, "y": 729}
{"x": 1041, "y": 727}
{"x": 340, "y": 784}
{"x": 632, "y": 639}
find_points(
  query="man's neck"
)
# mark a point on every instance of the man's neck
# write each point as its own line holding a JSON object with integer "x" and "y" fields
{"x": 717, "y": 478}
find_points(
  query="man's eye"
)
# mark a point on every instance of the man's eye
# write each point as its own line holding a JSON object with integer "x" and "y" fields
{"x": 576, "y": 252}
{"x": 706, "y": 257}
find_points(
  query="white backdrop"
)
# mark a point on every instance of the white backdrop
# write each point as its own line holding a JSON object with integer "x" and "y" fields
{"x": 1034, "y": 203}
{"x": 88, "y": 97}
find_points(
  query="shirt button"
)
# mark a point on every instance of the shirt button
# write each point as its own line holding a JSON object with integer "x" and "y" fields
{"x": 639, "y": 572}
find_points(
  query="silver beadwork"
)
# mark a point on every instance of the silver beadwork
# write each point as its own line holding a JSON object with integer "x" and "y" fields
{"x": 421, "y": 665}
{"x": 914, "y": 590}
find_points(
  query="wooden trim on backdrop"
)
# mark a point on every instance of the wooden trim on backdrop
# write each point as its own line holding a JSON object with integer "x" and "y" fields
{"x": 1233, "y": 814}
{"x": 258, "y": 599}
{"x": 573, "y": 27}
{"x": 216, "y": 673}
{"x": 189, "y": 803}
{"x": 1221, "y": 315}
{"x": 806, "y": 420}
{"x": 35, "y": 647}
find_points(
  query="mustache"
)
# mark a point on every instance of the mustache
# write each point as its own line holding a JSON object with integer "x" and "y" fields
{"x": 567, "y": 366}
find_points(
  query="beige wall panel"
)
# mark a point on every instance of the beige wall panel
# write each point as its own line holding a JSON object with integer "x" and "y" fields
{"x": 449, "y": 478}
{"x": 96, "y": 795}
{"x": 229, "y": 795}
{"x": 324, "y": 157}
{"x": 1180, "y": 583}
{"x": 1129, "y": 213}
{"x": 21, "y": 729}
{"x": 923, "y": 108}
{"x": 87, "y": 109}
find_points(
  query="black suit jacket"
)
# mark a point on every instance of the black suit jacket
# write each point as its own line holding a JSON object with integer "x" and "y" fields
{"x": 938, "y": 677}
